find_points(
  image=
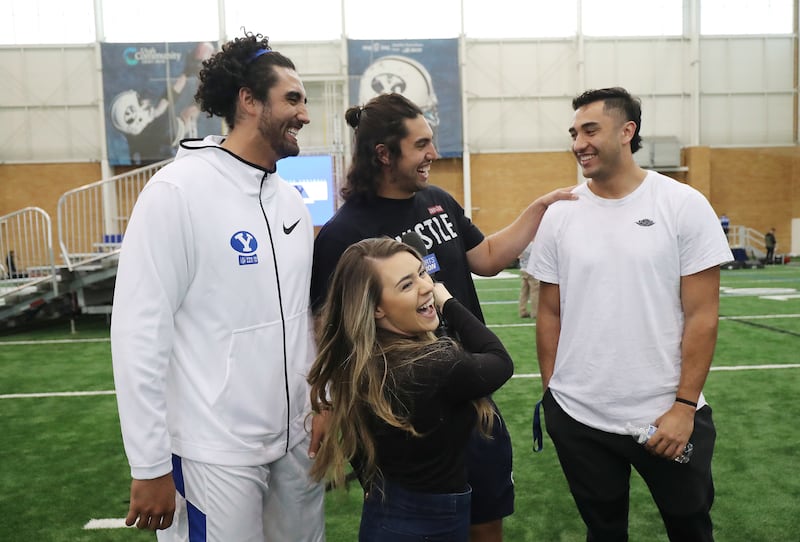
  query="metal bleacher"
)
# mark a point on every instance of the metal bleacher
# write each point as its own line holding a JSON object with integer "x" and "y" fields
{"x": 749, "y": 249}
{"x": 28, "y": 263}
{"x": 749, "y": 239}
{"x": 91, "y": 223}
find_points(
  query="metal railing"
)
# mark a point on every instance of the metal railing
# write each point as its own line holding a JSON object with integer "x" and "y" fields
{"x": 26, "y": 243}
{"x": 749, "y": 239}
{"x": 92, "y": 218}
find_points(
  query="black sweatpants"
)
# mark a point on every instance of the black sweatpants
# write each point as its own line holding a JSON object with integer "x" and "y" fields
{"x": 597, "y": 466}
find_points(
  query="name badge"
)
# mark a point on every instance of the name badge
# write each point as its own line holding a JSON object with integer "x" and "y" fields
{"x": 431, "y": 263}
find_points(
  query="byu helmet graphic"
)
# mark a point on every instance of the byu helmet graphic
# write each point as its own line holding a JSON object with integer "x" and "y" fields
{"x": 403, "y": 75}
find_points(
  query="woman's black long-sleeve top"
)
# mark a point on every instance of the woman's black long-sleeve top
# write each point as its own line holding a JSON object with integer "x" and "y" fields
{"x": 436, "y": 392}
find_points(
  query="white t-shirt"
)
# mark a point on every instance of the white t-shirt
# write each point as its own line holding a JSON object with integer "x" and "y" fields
{"x": 619, "y": 263}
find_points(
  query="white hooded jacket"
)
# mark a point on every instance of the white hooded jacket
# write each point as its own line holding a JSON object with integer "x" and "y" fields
{"x": 211, "y": 332}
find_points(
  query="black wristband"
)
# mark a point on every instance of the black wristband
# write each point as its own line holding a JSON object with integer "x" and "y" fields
{"x": 685, "y": 402}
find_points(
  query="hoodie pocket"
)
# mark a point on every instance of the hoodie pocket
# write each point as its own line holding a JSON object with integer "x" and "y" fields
{"x": 252, "y": 403}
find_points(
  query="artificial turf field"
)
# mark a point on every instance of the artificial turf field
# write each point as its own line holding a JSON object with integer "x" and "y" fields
{"x": 62, "y": 463}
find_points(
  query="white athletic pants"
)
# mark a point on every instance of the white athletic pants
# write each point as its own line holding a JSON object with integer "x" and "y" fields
{"x": 267, "y": 503}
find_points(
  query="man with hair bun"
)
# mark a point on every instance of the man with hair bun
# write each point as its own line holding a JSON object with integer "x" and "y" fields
{"x": 211, "y": 332}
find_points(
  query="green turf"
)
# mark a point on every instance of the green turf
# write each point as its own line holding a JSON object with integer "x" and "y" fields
{"x": 56, "y": 367}
{"x": 62, "y": 463}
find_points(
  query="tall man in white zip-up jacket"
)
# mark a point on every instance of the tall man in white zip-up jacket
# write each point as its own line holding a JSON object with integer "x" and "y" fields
{"x": 211, "y": 331}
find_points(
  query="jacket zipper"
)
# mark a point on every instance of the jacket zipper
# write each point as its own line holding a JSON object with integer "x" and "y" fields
{"x": 283, "y": 319}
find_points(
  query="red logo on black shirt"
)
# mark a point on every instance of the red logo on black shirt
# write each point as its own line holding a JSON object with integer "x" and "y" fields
{"x": 435, "y": 210}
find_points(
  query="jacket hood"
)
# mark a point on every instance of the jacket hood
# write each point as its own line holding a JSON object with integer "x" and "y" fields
{"x": 209, "y": 150}
{"x": 213, "y": 142}
{"x": 192, "y": 144}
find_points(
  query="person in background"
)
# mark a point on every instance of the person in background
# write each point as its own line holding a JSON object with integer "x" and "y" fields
{"x": 627, "y": 341}
{"x": 211, "y": 332}
{"x": 529, "y": 286}
{"x": 725, "y": 223}
{"x": 388, "y": 193}
{"x": 402, "y": 402}
{"x": 769, "y": 243}
{"x": 11, "y": 267}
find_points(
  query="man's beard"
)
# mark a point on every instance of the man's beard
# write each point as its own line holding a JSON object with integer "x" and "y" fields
{"x": 276, "y": 138}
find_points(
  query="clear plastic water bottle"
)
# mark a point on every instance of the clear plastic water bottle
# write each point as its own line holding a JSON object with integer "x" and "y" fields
{"x": 642, "y": 433}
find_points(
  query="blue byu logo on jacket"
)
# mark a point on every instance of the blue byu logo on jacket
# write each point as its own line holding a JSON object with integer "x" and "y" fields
{"x": 245, "y": 244}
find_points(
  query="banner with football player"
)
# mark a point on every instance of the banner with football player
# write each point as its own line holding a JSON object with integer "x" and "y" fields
{"x": 148, "y": 90}
{"x": 424, "y": 71}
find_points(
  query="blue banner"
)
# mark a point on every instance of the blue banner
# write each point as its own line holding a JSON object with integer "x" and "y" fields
{"x": 424, "y": 71}
{"x": 149, "y": 89}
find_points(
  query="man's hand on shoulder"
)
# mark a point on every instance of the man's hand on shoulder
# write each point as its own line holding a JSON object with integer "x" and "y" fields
{"x": 557, "y": 195}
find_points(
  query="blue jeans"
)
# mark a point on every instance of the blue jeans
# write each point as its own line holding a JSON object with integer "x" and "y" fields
{"x": 399, "y": 515}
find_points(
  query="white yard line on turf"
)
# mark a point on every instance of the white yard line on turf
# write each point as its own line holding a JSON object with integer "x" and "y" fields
{"x": 727, "y": 368}
{"x": 110, "y": 523}
{"x": 524, "y": 375}
{"x": 54, "y": 341}
{"x": 757, "y": 317}
{"x": 56, "y": 394}
{"x": 524, "y": 324}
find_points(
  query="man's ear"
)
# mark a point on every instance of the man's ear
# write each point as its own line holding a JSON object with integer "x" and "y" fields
{"x": 383, "y": 154}
{"x": 628, "y": 131}
{"x": 247, "y": 102}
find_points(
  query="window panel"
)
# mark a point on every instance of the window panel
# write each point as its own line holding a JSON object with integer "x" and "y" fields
{"x": 724, "y": 17}
{"x": 160, "y": 21}
{"x": 46, "y": 22}
{"x": 411, "y": 19}
{"x": 520, "y": 18}
{"x": 632, "y": 18}
{"x": 310, "y": 20}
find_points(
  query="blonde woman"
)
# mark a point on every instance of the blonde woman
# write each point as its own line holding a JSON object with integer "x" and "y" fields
{"x": 402, "y": 402}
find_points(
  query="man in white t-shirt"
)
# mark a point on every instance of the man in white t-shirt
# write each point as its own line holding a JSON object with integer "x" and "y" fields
{"x": 626, "y": 327}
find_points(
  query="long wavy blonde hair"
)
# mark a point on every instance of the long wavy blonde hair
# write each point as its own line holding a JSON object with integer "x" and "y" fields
{"x": 353, "y": 376}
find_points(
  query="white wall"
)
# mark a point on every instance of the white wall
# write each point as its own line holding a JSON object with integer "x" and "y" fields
{"x": 739, "y": 91}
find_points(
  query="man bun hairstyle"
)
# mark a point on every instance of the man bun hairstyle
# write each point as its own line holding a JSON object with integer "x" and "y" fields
{"x": 380, "y": 121}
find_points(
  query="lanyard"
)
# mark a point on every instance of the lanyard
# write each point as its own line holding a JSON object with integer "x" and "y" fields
{"x": 537, "y": 428}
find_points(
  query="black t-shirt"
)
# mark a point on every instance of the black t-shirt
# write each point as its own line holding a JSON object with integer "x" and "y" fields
{"x": 436, "y": 393}
{"x": 432, "y": 213}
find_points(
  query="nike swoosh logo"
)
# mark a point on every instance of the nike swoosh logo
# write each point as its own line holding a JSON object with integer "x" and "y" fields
{"x": 291, "y": 228}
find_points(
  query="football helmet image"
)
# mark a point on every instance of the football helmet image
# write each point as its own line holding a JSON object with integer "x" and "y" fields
{"x": 129, "y": 114}
{"x": 402, "y": 75}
